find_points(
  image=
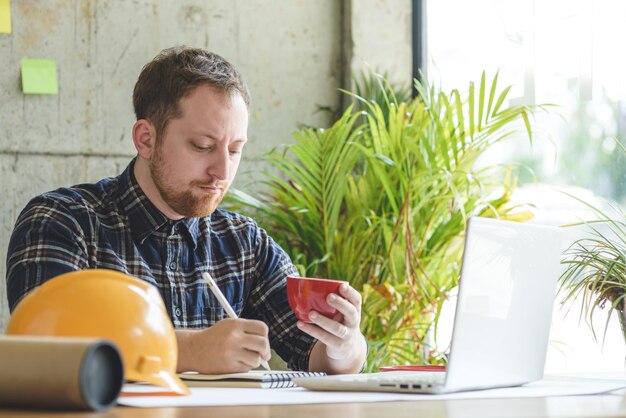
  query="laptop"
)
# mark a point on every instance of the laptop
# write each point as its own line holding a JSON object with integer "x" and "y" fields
{"x": 502, "y": 321}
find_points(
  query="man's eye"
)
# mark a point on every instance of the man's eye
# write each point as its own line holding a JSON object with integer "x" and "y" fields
{"x": 199, "y": 148}
{"x": 235, "y": 151}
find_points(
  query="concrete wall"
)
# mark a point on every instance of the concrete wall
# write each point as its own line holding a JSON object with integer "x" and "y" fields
{"x": 292, "y": 52}
{"x": 378, "y": 36}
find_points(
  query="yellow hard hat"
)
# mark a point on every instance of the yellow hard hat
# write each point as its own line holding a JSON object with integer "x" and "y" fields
{"x": 106, "y": 304}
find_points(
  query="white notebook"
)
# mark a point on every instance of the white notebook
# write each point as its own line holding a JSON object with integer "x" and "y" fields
{"x": 252, "y": 379}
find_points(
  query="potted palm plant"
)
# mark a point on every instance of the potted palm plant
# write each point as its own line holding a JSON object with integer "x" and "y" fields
{"x": 381, "y": 199}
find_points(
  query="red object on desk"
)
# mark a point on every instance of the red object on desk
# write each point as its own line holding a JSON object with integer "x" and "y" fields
{"x": 413, "y": 368}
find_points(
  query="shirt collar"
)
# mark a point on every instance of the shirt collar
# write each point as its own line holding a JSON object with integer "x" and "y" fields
{"x": 189, "y": 226}
{"x": 143, "y": 217}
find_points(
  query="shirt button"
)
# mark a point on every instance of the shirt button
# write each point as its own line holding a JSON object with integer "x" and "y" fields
{"x": 172, "y": 265}
{"x": 178, "y": 312}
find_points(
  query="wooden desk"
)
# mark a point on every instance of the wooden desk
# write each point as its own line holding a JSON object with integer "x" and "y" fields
{"x": 612, "y": 405}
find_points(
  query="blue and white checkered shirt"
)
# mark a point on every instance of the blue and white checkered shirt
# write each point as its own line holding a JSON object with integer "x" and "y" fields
{"x": 112, "y": 224}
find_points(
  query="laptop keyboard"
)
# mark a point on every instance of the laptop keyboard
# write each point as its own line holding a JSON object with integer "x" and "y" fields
{"x": 425, "y": 379}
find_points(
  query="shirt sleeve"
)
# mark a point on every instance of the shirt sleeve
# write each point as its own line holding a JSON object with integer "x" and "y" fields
{"x": 268, "y": 302}
{"x": 47, "y": 241}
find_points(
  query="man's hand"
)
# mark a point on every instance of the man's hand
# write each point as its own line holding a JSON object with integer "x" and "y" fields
{"x": 343, "y": 348}
{"x": 229, "y": 346}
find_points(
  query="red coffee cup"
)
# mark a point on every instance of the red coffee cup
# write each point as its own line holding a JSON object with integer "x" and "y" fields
{"x": 307, "y": 294}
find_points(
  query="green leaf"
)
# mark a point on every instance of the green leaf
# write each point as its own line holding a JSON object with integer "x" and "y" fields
{"x": 481, "y": 101}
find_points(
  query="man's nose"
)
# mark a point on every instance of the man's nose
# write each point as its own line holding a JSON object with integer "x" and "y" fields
{"x": 218, "y": 166}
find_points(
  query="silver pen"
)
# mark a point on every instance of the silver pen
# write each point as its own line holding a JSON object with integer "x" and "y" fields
{"x": 222, "y": 300}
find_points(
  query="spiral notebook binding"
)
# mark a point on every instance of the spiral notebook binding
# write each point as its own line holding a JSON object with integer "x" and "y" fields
{"x": 284, "y": 380}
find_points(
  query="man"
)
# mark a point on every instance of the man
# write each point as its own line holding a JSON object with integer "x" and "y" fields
{"x": 159, "y": 221}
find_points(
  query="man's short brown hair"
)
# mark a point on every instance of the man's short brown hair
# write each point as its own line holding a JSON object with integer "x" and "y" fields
{"x": 173, "y": 74}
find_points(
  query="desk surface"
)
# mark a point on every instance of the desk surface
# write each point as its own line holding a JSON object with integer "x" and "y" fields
{"x": 610, "y": 405}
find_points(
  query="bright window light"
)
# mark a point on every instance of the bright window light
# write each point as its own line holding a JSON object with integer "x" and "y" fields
{"x": 562, "y": 52}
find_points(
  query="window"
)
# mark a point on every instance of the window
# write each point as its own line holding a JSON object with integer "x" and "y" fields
{"x": 562, "y": 52}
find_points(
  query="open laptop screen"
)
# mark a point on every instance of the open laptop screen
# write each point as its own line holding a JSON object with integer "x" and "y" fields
{"x": 506, "y": 296}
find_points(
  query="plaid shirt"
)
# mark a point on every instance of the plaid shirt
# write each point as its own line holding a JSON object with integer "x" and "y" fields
{"x": 112, "y": 224}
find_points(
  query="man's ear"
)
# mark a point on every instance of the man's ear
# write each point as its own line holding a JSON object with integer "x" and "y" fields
{"x": 144, "y": 138}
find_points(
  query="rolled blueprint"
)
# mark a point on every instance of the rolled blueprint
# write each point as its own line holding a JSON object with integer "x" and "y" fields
{"x": 59, "y": 372}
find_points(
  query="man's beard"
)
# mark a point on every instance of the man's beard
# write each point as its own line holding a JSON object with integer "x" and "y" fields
{"x": 182, "y": 201}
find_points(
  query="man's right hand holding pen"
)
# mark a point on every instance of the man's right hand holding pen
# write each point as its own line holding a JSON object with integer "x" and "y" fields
{"x": 229, "y": 346}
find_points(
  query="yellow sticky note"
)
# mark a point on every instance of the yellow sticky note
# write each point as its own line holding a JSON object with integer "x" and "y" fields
{"x": 39, "y": 76}
{"x": 5, "y": 16}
